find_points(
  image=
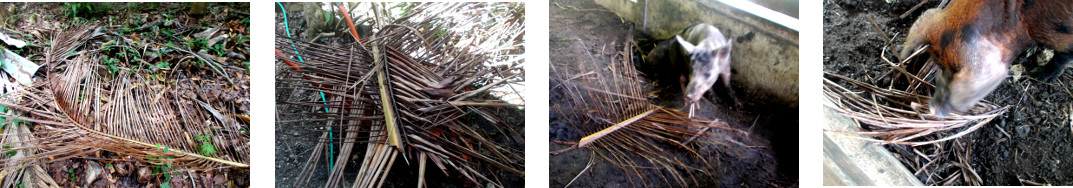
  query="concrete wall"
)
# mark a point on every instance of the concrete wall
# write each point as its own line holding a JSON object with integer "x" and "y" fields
{"x": 765, "y": 55}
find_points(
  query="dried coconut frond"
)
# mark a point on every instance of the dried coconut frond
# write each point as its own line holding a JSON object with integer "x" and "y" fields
{"x": 78, "y": 112}
{"x": 404, "y": 93}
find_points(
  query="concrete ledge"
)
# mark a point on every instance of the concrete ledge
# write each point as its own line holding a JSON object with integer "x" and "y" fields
{"x": 854, "y": 162}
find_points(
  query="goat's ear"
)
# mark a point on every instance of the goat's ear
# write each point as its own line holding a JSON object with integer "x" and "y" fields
{"x": 685, "y": 44}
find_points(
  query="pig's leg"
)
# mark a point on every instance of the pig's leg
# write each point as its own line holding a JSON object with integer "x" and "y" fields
{"x": 725, "y": 77}
{"x": 1053, "y": 69}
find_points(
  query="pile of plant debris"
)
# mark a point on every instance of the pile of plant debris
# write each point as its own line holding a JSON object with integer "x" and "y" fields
{"x": 402, "y": 94}
{"x": 127, "y": 94}
{"x": 1026, "y": 142}
{"x": 624, "y": 128}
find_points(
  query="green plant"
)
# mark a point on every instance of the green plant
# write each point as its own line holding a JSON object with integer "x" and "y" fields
{"x": 110, "y": 63}
{"x": 3, "y": 120}
{"x": 206, "y": 144}
{"x": 136, "y": 20}
{"x": 162, "y": 169}
{"x": 241, "y": 39}
{"x": 71, "y": 172}
{"x": 83, "y": 9}
{"x": 219, "y": 49}
{"x": 162, "y": 65}
{"x": 162, "y": 148}
{"x": 167, "y": 32}
{"x": 193, "y": 44}
{"x": 11, "y": 153}
{"x": 131, "y": 6}
{"x": 135, "y": 56}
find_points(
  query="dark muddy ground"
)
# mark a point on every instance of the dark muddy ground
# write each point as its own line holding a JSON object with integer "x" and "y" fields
{"x": 585, "y": 32}
{"x": 1031, "y": 142}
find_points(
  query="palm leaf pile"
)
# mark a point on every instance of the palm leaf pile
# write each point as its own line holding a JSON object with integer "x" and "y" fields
{"x": 86, "y": 105}
{"x": 414, "y": 92}
{"x": 898, "y": 114}
{"x": 608, "y": 104}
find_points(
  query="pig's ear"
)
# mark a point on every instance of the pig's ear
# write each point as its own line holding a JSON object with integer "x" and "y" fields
{"x": 685, "y": 44}
{"x": 723, "y": 53}
{"x": 919, "y": 32}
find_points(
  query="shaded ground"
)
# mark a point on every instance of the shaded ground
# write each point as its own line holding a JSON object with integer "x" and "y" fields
{"x": 147, "y": 24}
{"x": 1031, "y": 142}
{"x": 583, "y": 32}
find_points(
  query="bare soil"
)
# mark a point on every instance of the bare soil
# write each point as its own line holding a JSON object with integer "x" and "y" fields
{"x": 1030, "y": 143}
{"x": 583, "y": 32}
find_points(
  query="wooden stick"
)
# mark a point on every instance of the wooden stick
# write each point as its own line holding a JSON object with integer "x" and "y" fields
{"x": 602, "y": 133}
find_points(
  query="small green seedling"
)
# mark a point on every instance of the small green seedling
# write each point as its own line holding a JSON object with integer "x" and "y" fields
{"x": 71, "y": 171}
{"x": 163, "y": 65}
{"x": 10, "y": 153}
{"x": 206, "y": 144}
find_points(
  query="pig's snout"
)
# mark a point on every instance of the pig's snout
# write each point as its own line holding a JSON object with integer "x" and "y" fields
{"x": 960, "y": 91}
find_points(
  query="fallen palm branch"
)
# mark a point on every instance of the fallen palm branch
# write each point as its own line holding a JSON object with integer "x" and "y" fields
{"x": 78, "y": 111}
{"x": 625, "y": 129}
{"x": 418, "y": 95}
{"x": 898, "y": 114}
